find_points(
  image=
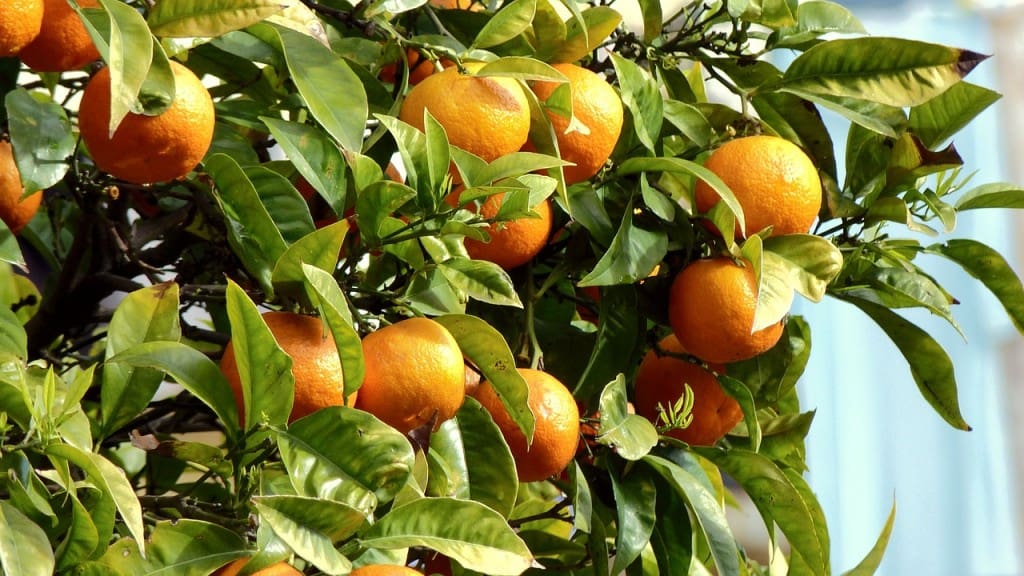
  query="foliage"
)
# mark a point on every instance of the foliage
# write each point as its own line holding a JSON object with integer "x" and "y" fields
{"x": 122, "y": 449}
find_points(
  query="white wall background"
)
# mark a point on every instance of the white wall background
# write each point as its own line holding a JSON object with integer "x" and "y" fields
{"x": 875, "y": 438}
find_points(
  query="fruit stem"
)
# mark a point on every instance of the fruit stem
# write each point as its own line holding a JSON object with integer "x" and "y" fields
{"x": 536, "y": 353}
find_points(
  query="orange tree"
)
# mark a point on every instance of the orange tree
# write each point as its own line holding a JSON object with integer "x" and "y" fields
{"x": 173, "y": 224}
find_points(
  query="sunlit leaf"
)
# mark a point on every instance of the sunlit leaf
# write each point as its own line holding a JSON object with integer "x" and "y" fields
{"x": 631, "y": 435}
{"x": 346, "y": 455}
{"x": 41, "y": 138}
{"x": 311, "y": 526}
{"x": 486, "y": 348}
{"x": 186, "y": 547}
{"x": 332, "y": 91}
{"x": 511, "y": 21}
{"x": 111, "y": 480}
{"x": 473, "y": 443}
{"x": 480, "y": 540}
{"x": 197, "y": 18}
{"x": 992, "y": 269}
{"x": 24, "y": 548}
{"x": 889, "y": 71}
{"x": 146, "y": 315}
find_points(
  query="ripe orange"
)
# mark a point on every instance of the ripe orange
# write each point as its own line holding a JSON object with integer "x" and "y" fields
{"x": 774, "y": 181}
{"x": 279, "y": 569}
{"x": 419, "y": 68}
{"x": 414, "y": 372}
{"x": 20, "y": 21}
{"x": 384, "y": 570}
{"x": 488, "y": 117}
{"x": 14, "y": 211}
{"x": 458, "y": 5}
{"x": 62, "y": 43}
{"x": 557, "y": 431}
{"x": 315, "y": 363}
{"x": 147, "y": 149}
{"x": 711, "y": 308}
{"x": 598, "y": 107}
{"x": 512, "y": 243}
{"x": 661, "y": 381}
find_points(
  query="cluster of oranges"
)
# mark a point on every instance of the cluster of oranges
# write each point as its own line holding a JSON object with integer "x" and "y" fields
{"x": 416, "y": 376}
{"x": 712, "y": 301}
{"x": 498, "y": 123}
{"x": 48, "y": 36}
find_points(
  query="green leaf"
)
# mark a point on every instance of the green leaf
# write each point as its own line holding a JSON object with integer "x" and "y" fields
{"x": 184, "y": 547}
{"x": 265, "y": 370}
{"x": 890, "y": 71}
{"x": 207, "y": 18}
{"x": 41, "y": 137}
{"x": 480, "y": 540}
{"x": 690, "y": 121}
{"x": 251, "y": 231}
{"x": 110, "y": 480}
{"x": 315, "y": 156}
{"x": 346, "y": 455}
{"x": 486, "y": 348}
{"x": 992, "y": 269}
{"x": 319, "y": 249}
{"x": 653, "y": 20}
{"x": 329, "y": 298}
{"x": 940, "y": 118}
{"x": 282, "y": 201}
{"x": 511, "y": 21}
{"x": 24, "y": 548}
{"x": 632, "y": 436}
{"x": 804, "y": 262}
{"x": 481, "y": 280}
{"x": 930, "y": 366}
{"x": 633, "y": 254}
{"x": 993, "y": 195}
{"x": 13, "y": 340}
{"x": 772, "y": 375}
{"x": 745, "y": 398}
{"x": 190, "y": 368}
{"x": 375, "y": 204}
{"x": 10, "y": 251}
{"x": 332, "y": 91}
{"x": 311, "y": 526}
{"x": 706, "y": 509}
{"x": 900, "y": 287}
{"x": 473, "y": 445}
{"x": 817, "y": 18}
{"x": 881, "y": 118}
{"x": 438, "y": 162}
{"x": 635, "y": 498}
{"x": 82, "y": 537}
{"x": 147, "y": 315}
{"x": 620, "y": 331}
{"x": 584, "y": 35}
{"x": 873, "y": 560}
{"x": 129, "y": 56}
{"x": 638, "y": 165}
{"x": 778, "y": 501}
{"x": 641, "y": 97}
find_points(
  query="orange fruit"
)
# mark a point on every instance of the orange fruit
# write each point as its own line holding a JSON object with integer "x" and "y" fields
{"x": 774, "y": 181}
{"x": 711, "y": 310}
{"x": 20, "y": 21}
{"x": 62, "y": 43}
{"x": 14, "y": 211}
{"x": 414, "y": 373}
{"x": 384, "y": 570}
{"x": 147, "y": 149}
{"x": 419, "y": 68}
{"x": 488, "y": 117}
{"x": 598, "y": 107}
{"x": 458, "y": 5}
{"x": 512, "y": 243}
{"x": 557, "y": 431}
{"x": 279, "y": 569}
{"x": 315, "y": 363}
{"x": 661, "y": 381}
